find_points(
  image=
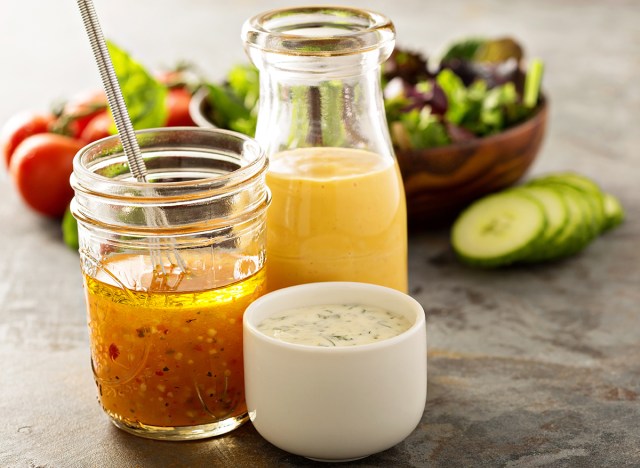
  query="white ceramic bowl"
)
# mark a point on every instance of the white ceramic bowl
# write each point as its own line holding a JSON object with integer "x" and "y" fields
{"x": 198, "y": 109}
{"x": 335, "y": 403}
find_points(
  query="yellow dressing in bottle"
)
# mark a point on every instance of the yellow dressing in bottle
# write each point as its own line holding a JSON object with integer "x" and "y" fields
{"x": 337, "y": 214}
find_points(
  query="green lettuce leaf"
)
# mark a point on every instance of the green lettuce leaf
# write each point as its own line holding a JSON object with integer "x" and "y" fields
{"x": 478, "y": 108}
{"x": 244, "y": 80}
{"x": 228, "y": 110}
{"x": 464, "y": 49}
{"x": 143, "y": 94}
{"x": 423, "y": 129}
{"x": 70, "y": 230}
{"x": 456, "y": 92}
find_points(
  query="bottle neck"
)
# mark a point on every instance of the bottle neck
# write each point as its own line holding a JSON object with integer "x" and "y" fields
{"x": 321, "y": 101}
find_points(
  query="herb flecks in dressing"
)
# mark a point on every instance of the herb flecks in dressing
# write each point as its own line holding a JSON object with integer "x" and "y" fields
{"x": 334, "y": 325}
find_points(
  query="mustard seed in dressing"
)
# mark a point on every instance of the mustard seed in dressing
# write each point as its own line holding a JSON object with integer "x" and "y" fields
{"x": 334, "y": 325}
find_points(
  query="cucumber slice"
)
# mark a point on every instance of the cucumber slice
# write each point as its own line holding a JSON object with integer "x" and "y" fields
{"x": 593, "y": 194}
{"x": 577, "y": 180}
{"x": 583, "y": 229}
{"x": 499, "y": 229}
{"x": 554, "y": 206}
{"x": 556, "y": 214}
{"x": 613, "y": 211}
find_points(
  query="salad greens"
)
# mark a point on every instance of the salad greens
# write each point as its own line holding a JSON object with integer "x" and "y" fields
{"x": 70, "y": 230}
{"x": 478, "y": 90}
{"x": 234, "y": 103}
{"x": 145, "y": 99}
{"x": 143, "y": 94}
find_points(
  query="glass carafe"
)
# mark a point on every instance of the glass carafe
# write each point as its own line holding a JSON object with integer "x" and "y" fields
{"x": 338, "y": 209}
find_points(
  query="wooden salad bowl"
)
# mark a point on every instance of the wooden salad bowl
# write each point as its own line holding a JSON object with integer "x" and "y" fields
{"x": 440, "y": 182}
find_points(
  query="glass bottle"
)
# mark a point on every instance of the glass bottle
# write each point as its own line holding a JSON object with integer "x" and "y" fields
{"x": 338, "y": 210}
{"x": 165, "y": 299}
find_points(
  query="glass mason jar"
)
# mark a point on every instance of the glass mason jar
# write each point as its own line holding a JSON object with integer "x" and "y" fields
{"x": 338, "y": 210}
{"x": 169, "y": 268}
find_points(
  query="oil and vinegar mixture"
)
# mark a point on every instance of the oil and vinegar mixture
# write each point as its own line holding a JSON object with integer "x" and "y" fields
{"x": 168, "y": 353}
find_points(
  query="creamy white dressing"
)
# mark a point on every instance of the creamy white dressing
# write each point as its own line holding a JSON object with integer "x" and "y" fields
{"x": 334, "y": 325}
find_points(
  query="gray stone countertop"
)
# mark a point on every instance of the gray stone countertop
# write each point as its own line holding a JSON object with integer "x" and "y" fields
{"x": 535, "y": 366}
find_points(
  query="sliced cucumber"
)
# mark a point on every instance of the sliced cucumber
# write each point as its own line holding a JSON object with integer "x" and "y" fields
{"x": 585, "y": 229}
{"x": 499, "y": 229}
{"x": 557, "y": 215}
{"x": 548, "y": 218}
{"x": 592, "y": 192}
{"x": 577, "y": 180}
{"x": 554, "y": 206}
{"x": 572, "y": 234}
{"x": 587, "y": 210}
{"x": 613, "y": 211}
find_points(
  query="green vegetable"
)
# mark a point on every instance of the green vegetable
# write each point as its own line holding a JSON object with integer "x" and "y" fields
{"x": 457, "y": 96}
{"x": 144, "y": 95}
{"x": 532, "y": 83}
{"x": 477, "y": 49}
{"x": 480, "y": 110}
{"x": 464, "y": 49}
{"x": 614, "y": 214}
{"x": 421, "y": 130}
{"x": 568, "y": 212}
{"x": 234, "y": 103}
{"x": 475, "y": 93}
{"x": 244, "y": 80}
{"x": 554, "y": 207}
{"x": 228, "y": 110}
{"x": 498, "y": 51}
{"x": 70, "y": 230}
{"x": 498, "y": 229}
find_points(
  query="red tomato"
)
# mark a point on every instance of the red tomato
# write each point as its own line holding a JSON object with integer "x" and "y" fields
{"x": 19, "y": 127}
{"x": 82, "y": 108}
{"x": 40, "y": 168}
{"x": 97, "y": 128}
{"x": 178, "y": 108}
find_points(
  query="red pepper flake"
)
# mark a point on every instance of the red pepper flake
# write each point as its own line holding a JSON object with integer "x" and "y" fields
{"x": 165, "y": 368}
{"x": 198, "y": 347}
{"x": 114, "y": 352}
{"x": 159, "y": 373}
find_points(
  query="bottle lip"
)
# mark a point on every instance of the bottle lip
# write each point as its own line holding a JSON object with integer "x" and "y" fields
{"x": 318, "y": 31}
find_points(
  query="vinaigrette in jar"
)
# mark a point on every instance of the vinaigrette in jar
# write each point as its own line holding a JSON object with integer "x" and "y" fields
{"x": 170, "y": 354}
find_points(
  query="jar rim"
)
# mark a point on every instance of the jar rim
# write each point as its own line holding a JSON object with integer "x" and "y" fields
{"x": 299, "y": 31}
{"x": 84, "y": 177}
{"x": 208, "y": 179}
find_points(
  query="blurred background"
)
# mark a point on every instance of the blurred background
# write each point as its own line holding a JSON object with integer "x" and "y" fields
{"x": 589, "y": 77}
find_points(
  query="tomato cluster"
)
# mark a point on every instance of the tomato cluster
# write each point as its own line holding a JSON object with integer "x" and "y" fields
{"x": 38, "y": 148}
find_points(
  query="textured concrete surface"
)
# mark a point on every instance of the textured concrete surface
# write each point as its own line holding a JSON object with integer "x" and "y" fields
{"x": 528, "y": 367}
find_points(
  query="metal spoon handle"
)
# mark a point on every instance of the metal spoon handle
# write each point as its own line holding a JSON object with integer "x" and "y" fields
{"x": 112, "y": 89}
